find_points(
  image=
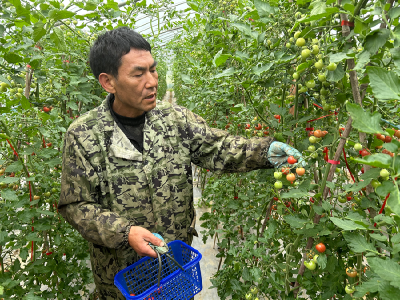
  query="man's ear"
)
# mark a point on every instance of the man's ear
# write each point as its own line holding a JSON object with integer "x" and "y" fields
{"x": 107, "y": 81}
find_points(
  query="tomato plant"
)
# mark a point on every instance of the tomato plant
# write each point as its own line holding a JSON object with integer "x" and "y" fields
{"x": 45, "y": 84}
{"x": 316, "y": 81}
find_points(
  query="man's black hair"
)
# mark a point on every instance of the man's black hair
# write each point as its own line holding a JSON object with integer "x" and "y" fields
{"x": 107, "y": 51}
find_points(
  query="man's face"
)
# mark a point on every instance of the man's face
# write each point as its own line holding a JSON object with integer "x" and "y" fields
{"x": 135, "y": 89}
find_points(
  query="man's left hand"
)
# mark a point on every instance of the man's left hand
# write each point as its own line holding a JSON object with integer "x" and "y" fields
{"x": 278, "y": 154}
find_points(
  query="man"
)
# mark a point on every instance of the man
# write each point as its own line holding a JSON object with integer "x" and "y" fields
{"x": 127, "y": 163}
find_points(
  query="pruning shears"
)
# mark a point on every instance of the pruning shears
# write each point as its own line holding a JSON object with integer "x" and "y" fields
{"x": 162, "y": 251}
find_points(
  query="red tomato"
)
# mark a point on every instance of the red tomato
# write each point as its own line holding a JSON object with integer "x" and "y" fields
{"x": 397, "y": 134}
{"x": 318, "y": 133}
{"x": 364, "y": 153}
{"x": 285, "y": 171}
{"x": 276, "y": 198}
{"x": 291, "y": 177}
{"x": 259, "y": 127}
{"x": 312, "y": 200}
{"x": 46, "y": 109}
{"x": 300, "y": 171}
{"x": 351, "y": 272}
{"x": 291, "y": 160}
{"x": 320, "y": 248}
{"x": 388, "y": 139}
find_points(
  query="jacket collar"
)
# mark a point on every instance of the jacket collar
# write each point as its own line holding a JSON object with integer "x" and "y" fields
{"x": 106, "y": 120}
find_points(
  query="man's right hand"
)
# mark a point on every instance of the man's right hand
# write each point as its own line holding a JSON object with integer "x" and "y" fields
{"x": 139, "y": 239}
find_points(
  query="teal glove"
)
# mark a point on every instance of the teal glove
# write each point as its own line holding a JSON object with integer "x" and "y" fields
{"x": 278, "y": 154}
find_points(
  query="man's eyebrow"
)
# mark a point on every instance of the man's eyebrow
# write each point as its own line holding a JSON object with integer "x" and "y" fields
{"x": 138, "y": 68}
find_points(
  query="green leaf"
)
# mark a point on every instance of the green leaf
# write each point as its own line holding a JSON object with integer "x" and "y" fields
{"x": 378, "y": 160}
{"x": 349, "y": 7}
{"x": 371, "y": 174}
{"x": 393, "y": 202}
{"x": 3, "y": 236}
{"x": 346, "y": 224}
{"x": 244, "y": 28}
{"x": 372, "y": 286}
{"x": 25, "y": 104}
{"x": 322, "y": 261}
{"x": 257, "y": 274}
{"x": 32, "y": 296}
{"x": 387, "y": 269}
{"x": 57, "y": 37}
{"x": 294, "y": 193}
{"x": 358, "y": 243}
{"x": 186, "y": 79}
{"x": 326, "y": 205}
{"x": 355, "y": 187}
{"x": 38, "y": 31}
{"x": 295, "y": 221}
{"x": 225, "y": 73}
{"x": 318, "y": 16}
{"x": 241, "y": 56}
{"x": 385, "y": 84}
{"x": 9, "y": 195}
{"x": 394, "y": 12}
{"x": 359, "y": 26}
{"x": 388, "y": 291}
{"x": 259, "y": 70}
{"x": 335, "y": 76}
{"x": 376, "y": 40}
{"x": 364, "y": 121}
{"x": 60, "y": 14}
{"x": 14, "y": 167}
{"x": 337, "y": 57}
{"x": 220, "y": 58}
{"x": 12, "y": 58}
{"x": 378, "y": 237}
{"x": 362, "y": 59}
{"x": 396, "y": 238}
{"x": 10, "y": 180}
{"x": 263, "y": 8}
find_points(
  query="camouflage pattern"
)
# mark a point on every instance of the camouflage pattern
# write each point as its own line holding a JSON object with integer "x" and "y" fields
{"x": 107, "y": 185}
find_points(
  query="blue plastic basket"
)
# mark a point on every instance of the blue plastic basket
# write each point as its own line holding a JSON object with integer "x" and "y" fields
{"x": 140, "y": 279}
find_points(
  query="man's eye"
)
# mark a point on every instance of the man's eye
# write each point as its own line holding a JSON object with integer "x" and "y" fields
{"x": 138, "y": 75}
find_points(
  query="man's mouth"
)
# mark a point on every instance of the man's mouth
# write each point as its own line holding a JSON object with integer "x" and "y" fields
{"x": 151, "y": 96}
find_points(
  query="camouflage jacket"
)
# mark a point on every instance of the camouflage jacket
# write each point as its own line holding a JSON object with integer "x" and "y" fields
{"x": 107, "y": 185}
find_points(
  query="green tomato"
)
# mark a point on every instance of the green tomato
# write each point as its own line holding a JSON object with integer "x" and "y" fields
{"x": 319, "y": 65}
{"x": 296, "y": 75}
{"x": 358, "y": 147}
{"x": 300, "y": 42}
{"x": 303, "y": 89}
{"x": 315, "y": 258}
{"x": 314, "y": 155}
{"x": 291, "y": 40}
{"x": 321, "y": 77}
{"x": 278, "y": 184}
{"x": 349, "y": 289}
{"x": 305, "y": 53}
{"x": 375, "y": 183}
{"x": 384, "y": 173}
{"x": 278, "y": 175}
{"x": 315, "y": 49}
{"x": 310, "y": 265}
{"x": 297, "y": 34}
{"x": 311, "y": 148}
{"x": 249, "y": 296}
{"x": 312, "y": 139}
{"x": 310, "y": 84}
{"x": 332, "y": 66}
{"x": 74, "y": 22}
{"x": 288, "y": 45}
{"x": 254, "y": 291}
{"x": 342, "y": 199}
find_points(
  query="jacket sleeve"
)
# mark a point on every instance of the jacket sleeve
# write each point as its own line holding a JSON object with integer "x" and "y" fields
{"x": 221, "y": 152}
{"x": 79, "y": 200}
